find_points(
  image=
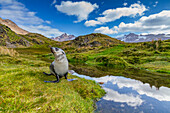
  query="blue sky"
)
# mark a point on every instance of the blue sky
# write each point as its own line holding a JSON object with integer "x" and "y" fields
{"x": 112, "y": 17}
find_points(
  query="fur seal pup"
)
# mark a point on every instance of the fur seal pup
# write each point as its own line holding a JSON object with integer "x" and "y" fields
{"x": 59, "y": 67}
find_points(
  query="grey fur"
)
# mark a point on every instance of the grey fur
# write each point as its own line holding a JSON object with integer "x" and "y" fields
{"x": 59, "y": 67}
{"x": 52, "y": 68}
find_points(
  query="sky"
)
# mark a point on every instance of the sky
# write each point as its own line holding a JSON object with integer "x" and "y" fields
{"x": 115, "y": 18}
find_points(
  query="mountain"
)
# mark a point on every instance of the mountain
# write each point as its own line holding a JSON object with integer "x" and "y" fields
{"x": 13, "y": 26}
{"x": 94, "y": 40}
{"x": 133, "y": 38}
{"x": 11, "y": 39}
{"x": 64, "y": 37}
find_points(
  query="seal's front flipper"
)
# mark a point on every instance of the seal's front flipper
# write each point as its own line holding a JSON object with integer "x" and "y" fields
{"x": 52, "y": 81}
{"x": 66, "y": 75}
{"x": 47, "y": 74}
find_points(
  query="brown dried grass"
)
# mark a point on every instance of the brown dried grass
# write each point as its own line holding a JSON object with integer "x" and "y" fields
{"x": 7, "y": 51}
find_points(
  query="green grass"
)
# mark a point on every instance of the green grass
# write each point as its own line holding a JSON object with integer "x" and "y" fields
{"x": 22, "y": 88}
{"x": 91, "y": 56}
{"x": 112, "y": 50}
{"x": 157, "y": 66}
{"x": 12, "y": 35}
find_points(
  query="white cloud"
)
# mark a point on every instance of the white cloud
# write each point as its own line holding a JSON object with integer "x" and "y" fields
{"x": 105, "y": 30}
{"x": 80, "y": 9}
{"x": 48, "y": 22}
{"x": 156, "y": 3}
{"x": 125, "y": 4}
{"x": 42, "y": 29}
{"x": 17, "y": 12}
{"x": 54, "y": 1}
{"x": 143, "y": 89}
{"x": 130, "y": 99}
{"x": 155, "y": 23}
{"x": 138, "y": 2}
{"x": 114, "y": 14}
{"x": 92, "y": 23}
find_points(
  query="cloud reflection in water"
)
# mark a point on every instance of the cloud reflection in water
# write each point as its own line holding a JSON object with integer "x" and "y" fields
{"x": 132, "y": 92}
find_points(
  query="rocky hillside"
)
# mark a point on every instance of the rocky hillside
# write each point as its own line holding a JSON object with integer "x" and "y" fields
{"x": 13, "y": 40}
{"x": 94, "y": 40}
{"x": 13, "y": 26}
{"x": 64, "y": 37}
{"x": 133, "y": 38}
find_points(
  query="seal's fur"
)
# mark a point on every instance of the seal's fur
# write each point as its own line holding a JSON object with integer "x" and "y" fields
{"x": 59, "y": 67}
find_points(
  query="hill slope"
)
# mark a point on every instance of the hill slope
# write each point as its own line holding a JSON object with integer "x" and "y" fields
{"x": 94, "y": 40}
{"x": 88, "y": 42}
{"x": 13, "y": 26}
{"x": 12, "y": 40}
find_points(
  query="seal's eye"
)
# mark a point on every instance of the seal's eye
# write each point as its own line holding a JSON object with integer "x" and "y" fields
{"x": 63, "y": 52}
{"x": 56, "y": 49}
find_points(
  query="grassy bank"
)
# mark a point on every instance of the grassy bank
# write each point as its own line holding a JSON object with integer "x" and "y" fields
{"x": 22, "y": 88}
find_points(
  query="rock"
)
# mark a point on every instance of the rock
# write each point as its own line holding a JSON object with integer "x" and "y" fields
{"x": 101, "y": 82}
{"x": 37, "y": 42}
{"x": 95, "y": 43}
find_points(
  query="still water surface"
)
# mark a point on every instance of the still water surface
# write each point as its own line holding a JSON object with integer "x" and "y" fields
{"x": 125, "y": 95}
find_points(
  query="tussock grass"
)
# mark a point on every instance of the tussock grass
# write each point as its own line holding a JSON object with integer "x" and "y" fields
{"x": 7, "y": 51}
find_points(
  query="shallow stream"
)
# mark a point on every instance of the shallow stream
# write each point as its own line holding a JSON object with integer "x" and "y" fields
{"x": 125, "y": 95}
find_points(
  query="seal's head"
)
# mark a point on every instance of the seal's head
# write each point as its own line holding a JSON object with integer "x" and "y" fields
{"x": 59, "y": 54}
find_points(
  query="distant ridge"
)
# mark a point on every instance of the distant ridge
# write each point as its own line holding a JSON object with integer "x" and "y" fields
{"x": 94, "y": 40}
{"x": 13, "y": 26}
{"x": 64, "y": 37}
{"x": 133, "y": 38}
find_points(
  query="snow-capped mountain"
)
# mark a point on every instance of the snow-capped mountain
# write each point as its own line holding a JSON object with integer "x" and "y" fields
{"x": 133, "y": 38}
{"x": 64, "y": 37}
